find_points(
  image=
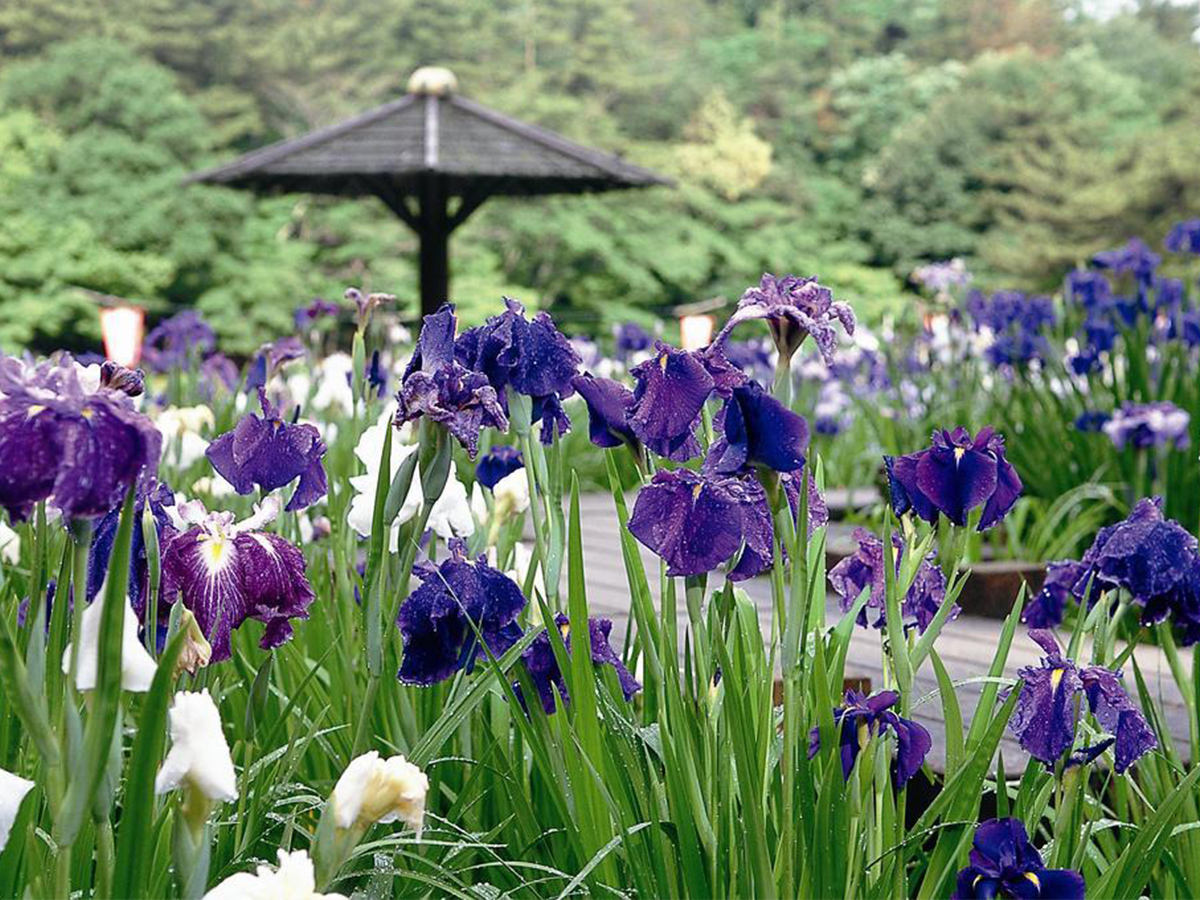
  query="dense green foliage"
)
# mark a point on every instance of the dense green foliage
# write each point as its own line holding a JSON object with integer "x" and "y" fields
{"x": 848, "y": 139}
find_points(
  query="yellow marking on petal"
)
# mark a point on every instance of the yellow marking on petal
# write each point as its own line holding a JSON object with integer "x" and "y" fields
{"x": 215, "y": 551}
{"x": 87, "y": 412}
{"x": 1033, "y": 878}
{"x": 35, "y": 409}
{"x": 975, "y": 883}
{"x": 662, "y": 363}
{"x": 958, "y": 453}
{"x": 696, "y": 492}
{"x": 565, "y": 630}
{"x": 1056, "y": 678}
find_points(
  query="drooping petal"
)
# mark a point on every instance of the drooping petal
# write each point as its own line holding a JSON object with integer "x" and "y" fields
{"x": 671, "y": 390}
{"x": 913, "y": 745}
{"x": 274, "y": 584}
{"x": 1044, "y": 719}
{"x": 692, "y": 522}
{"x": 609, "y": 404}
{"x": 1118, "y": 715}
{"x": 759, "y": 430}
{"x": 498, "y": 462}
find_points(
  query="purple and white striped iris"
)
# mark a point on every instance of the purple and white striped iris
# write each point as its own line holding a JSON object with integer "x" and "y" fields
{"x": 227, "y": 572}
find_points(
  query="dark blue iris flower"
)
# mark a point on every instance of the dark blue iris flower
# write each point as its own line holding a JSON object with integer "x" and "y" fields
{"x": 376, "y": 375}
{"x": 1155, "y": 560}
{"x": 311, "y": 313}
{"x": 862, "y": 718}
{"x": 672, "y": 388}
{"x": 631, "y": 338}
{"x": 1005, "y": 864}
{"x": 865, "y": 568}
{"x": 543, "y": 669}
{"x": 530, "y": 356}
{"x": 1135, "y": 259}
{"x": 269, "y": 453}
{"x": 160, "y": 499}
{"x": 954, "y": 476}
{"x": 1044, "y": 718}
{"x": 1091, "y": 421}
{"x": 77, "y": 449}
{"x": 496, "y": 464}
{"x": 609, "y": 405}
{"x": 1047, "y": 607}
{"x": 1184, "y": 237}
{"x": 439, "y": 387}
{"x": 436, "y": 619}
{"x": 1017, "y": 322}
{"x": 756, "y": 429}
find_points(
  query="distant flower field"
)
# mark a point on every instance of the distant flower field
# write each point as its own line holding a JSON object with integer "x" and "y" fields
{"x": 318, "y": 625}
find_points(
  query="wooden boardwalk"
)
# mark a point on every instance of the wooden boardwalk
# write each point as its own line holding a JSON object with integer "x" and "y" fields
{"x": 966, "y": 645}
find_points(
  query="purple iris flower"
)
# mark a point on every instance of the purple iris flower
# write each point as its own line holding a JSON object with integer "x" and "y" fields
{"x": 270, "y": 358}
{"x": 1184, "y": 237}
{"x": 953, "y": 476}
{"x": 693, "y": 521}
{"x": 865, "y": 717}
{"x": 1135, "y": 258}
{"x": 439, "y": 387}
{"x": 672, "y": 388}
{"x": 227, "y": 572}
{"x": 865, "y": 568}
{"x": 631, "y": 338}
{"x": 80, "y": 450}
{"x": 1044, "y": 720}
{"x": 794, "y": 309}
{"x": 758, "y": 430}
{"x": 130, "y": 382}
{"x": 1005, "y": 864}
{"x": 940, "y": 277}
{"x": 1091, "y": 290}
{"x": 376, "y": 375}
{"x": 221, "y": 369}
{"x": 753, "y": 357}
{"x": 178, "y": 342}
{"x": 543, "y": 668}
{"x": 269, "y": 453}
{"x": 1017, "y": 323}
{"x": 496, "y": 464}
{"x": 609, "y": 404}
{"x": 1145, "y": 425}
{"x": 1155, "y": 560}
{"x": 1091, "y": 421}
{"x": 160, "y": 499}
{"x": 436, "y": 619}
{"x": 1046, "y": 609}
{"x": 319, "y": 308}
{"x": 531, "y": 356}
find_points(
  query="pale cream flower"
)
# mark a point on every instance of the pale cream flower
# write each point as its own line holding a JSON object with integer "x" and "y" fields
{"x": 137, "y": 666}
{"x": 10, "y": 545}
{"x": 199, "y": 757}
{"x": 13, "y": 789}
{"x": 294, "y": 879}
{"x": 373, "y": 790}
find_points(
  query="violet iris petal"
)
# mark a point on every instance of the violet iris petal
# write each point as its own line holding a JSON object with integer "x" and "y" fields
{"x": 178, "y": 341}
{"x": 1044, "y": 719}
{"x": 864, "y": 716}
{"x": 1155, "y": 559}
{"x": 80, "y": 451}
{"x": 953, "y": 476}
{"x": 435, "y": 620}
{"x": 671, "y": 390}
{"x": 105, "y": 533}
{"x": 692, "y": 521}
{"x": 1005, "y": 864}
{"x": 545, "y": 674}
{"x": 866, "y": 568}
{"x": 759, "y": 430}
{"x": 269, "y": 453}
{"x": 631, "y": 338}
{"x": 529, "y": 355}
{"x": 313, "y": 312}
{"x": 758, "y": 531}
{"x": 609, "y": 403}
{"x": 1184, "y": 237}
{"x": 794, "y": 308}
{"x": 226, "y": 573}
{"x": 1046, "y": 609}
{"x": 818, "y": 511}
{"x": 496, "y": 464}
{"x": 1135, "y": 258}
{"x": 1144, "y": 425}
{"x": 437, "y": 386}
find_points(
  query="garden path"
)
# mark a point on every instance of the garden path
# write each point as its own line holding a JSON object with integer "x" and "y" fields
{"x": 966, "y": 645}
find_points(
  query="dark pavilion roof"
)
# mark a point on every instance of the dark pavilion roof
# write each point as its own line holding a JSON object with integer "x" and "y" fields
{"x": 397, "y": 145}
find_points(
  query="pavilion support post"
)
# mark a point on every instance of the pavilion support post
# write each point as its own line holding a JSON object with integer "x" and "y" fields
{"x": 434, "y": 235}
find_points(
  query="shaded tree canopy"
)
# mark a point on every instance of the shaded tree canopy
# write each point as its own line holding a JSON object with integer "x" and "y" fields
{"x": 853, "y": 139}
